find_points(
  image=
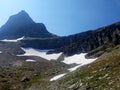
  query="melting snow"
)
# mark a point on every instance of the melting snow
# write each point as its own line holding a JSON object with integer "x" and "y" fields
{"x": 57, "y": 77}
{"x": 40, "y": 53}
{"x": 14, "y": 40}
{"x": 29, "y": 60}
{"x": 74, "y": 68}
{"x": 78, "y": 59}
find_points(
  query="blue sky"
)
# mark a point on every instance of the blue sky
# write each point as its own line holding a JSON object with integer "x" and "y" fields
{"x": 65, "y": 17}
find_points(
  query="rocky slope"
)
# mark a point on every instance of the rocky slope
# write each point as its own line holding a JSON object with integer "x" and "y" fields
{"x": 105, "y": 37}
{"x": 103, "y": 74}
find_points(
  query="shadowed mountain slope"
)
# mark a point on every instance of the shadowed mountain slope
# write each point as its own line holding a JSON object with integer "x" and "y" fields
{"x": 21, "y": 25}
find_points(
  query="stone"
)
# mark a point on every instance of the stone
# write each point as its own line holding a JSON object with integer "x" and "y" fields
{"x": 25, "y": 79}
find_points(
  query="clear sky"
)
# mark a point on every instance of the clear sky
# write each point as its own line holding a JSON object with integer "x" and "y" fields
{"x": 65, "y": 17}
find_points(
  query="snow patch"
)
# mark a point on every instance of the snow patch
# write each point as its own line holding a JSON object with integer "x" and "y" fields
{"x": 40, "y": 53}
{"x": 74, "y": 68}
{"x": 30, "y": 60}
{"x": 78, "y": 59}
{"x": 57, "y": 77}
{"x": 14, "y": 40}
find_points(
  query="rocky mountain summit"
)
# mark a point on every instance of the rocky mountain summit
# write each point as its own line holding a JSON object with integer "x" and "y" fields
{"x": 21, "y": 25}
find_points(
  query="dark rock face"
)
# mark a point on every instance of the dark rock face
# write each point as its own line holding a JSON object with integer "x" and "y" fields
{"x": 53, "y": 43}
{"x": 82, "y": 42}
{"x": 20, "y": 25}
{"x": 107, "y": 37}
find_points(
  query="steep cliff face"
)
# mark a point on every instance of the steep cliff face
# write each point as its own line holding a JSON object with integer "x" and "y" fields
{"x": 105, "y": 37}
{"x": 53, "y": 43}
{"x": 20, "y": 25}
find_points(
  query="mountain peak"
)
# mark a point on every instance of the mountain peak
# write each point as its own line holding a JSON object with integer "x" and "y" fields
{"x": 21, "y": 24}
{"x": 23, "y": 12}
{"x": 22, "y": 17}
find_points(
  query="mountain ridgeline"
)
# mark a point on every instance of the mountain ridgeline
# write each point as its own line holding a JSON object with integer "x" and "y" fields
{"x": 36, "y": 36}
{"x": 100, "y": 39}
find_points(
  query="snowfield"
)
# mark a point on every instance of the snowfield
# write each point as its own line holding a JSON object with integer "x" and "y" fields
{"x": 57, "y": 77}
{"x": 40, "y": 53}
{"x": 14, "y": 40}
{"x": 78, "y": 59}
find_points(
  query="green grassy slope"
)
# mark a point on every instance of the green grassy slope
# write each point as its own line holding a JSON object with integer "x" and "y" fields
{"x": 103, "y": 74}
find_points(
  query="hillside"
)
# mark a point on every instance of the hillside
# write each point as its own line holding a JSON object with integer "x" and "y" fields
{"x": 103, "y": 74}
{"x": 32, "y": 58}
{"x": 99, "y": 75}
